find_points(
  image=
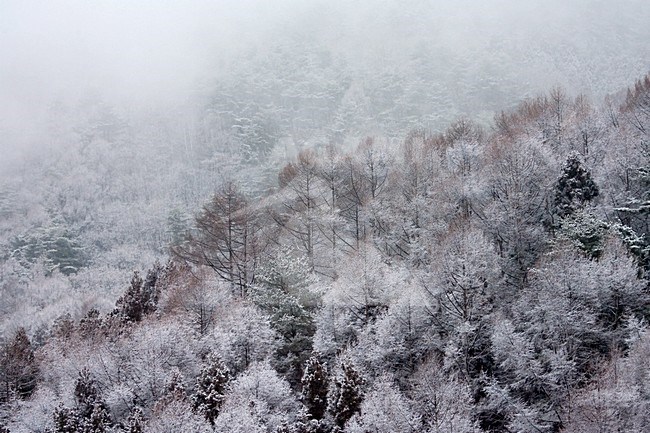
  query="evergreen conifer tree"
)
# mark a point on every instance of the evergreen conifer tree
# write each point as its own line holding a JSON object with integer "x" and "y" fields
{"x": 141, "y": 298}
{"x": 574, "y": 188}
{"x": 314, "y": 388}
{"x": 18, "y": 369}
{"x": 92, "y": 413}
{"x": 66, "y": 420}
{"x": 211, "y": 388}
{"x": 348, "y": 395}
{"x": 135, "y": 421}
{"x": 98, "y": 421}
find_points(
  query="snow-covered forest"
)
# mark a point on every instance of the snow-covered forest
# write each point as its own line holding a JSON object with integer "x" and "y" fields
{"x": 390, "y": 216}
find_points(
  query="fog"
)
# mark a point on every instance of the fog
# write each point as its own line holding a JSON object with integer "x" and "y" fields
{"x": 324, "y": 215}
{"x": 145, "y": 54}
{"x": 117, "y": 47}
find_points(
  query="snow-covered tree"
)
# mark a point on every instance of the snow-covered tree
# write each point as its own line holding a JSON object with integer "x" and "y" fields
{"x": 315, "y": 383}
{"x": 443, "y": 402}
{"x": 258, "y": 394}
{"x": 346, "y": 394}
{"x": 462, "y": 288}
{"x": 242, "y": 336}
{"x": 176, "y": 417}
{"x": 19, "y": 368}
{"x": 210, "y": 388}
{"x": 399, "y": 340}
{"x": 518, "y": 178}
{"x": 357, "y": 298}
{"x": 384, "y": 409}
{"x": 574, "y": 188}
{"x": 225, "y": 238}
{"x": 135, "y": 423}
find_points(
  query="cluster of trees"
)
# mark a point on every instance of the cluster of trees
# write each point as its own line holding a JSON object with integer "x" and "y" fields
{"x": 103, "y": 189}
{"x": 465, "y": 281}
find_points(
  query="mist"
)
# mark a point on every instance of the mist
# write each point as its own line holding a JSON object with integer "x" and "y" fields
{"x": 214, "y": 75}
{"x": 324, "y": 216}
{"x": 151, "y": 52}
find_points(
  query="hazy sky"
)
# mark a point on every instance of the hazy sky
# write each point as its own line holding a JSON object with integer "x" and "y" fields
{"x": 143, "y": 46}
{"x": 150, "y": 50}
{"x": 68, "y": 46}
{"x": 54, "y": 49}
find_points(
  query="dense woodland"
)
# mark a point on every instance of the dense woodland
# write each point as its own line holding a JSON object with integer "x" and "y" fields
{"x": 478, "y": 279}
{"x": 328, "y": 230}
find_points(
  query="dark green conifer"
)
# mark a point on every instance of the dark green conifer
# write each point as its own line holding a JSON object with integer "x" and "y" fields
{"x": 347, "y": 396}
{"x": 574, "y": 188}
{"x": 211, "y": 388}
{"x": 314, "y": 388}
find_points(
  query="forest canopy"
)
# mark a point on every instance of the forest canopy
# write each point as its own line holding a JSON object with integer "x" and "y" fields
{"x": 489, "y": 280}
{"x": 318, "y": 218}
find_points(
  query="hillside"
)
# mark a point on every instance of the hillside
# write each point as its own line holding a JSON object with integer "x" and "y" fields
{"x": 482, "y": 278}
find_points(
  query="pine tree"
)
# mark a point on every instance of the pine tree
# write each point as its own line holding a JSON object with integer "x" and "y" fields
{"x": 129, "y": 306}
{"x": 294, "y": 323}
{"x": 574, "y": 188}
{"x": 66, "y": 420}
{"x": 54, "y": 244}
{"x": 211, "y": 388}
{"x": 177, "y": 226}
{"x": 348, "y": 395}
{"x": 18, "y": 369}
{"x": 150, "y": 291}
{"x": 314, "y": 388}
{"x": 141, "y": 298}
{"x": 92, "y": 413}
{"x": 98, "y": 421}
{"x": 135, "y": 422}
{"x": 85, "y": 392}
{"x": 90, "y": 324}
{"x": 63, "y": 327}
{"x": 586, "y": 232}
